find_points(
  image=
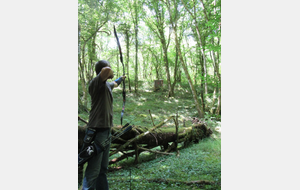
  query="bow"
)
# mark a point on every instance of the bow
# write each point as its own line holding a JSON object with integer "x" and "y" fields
{"x": 121, "y": 59}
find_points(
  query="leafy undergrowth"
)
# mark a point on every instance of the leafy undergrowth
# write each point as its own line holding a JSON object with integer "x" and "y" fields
{"x": 199, "y": 163}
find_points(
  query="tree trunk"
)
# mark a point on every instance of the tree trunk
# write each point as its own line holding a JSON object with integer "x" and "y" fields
{"x": 218, "y": 111}
{"x": 214, "y": 97}
{"x": 203, "y": 79}
{"x": 156, "y": 63}
{"x": 165, "y": 51}
{"x": 127, "y": 56}
{"x": 200, "y": 111}
{"x": 136, "y": 61}
{"x": 175, "y": 72}
{"x": 136, "y": 48}
{"x": 82, "y": 76}
{"x": 198, "y": 37}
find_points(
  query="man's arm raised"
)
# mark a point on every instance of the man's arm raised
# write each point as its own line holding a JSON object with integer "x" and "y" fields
{"x": 106, "y": 73}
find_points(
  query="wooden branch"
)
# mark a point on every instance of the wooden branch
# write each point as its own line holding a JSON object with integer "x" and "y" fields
{"x": 115, "y": 160}
{"x": 108, "y": 33}
{"x": 152, "y": 28}
{"x": 176, "y": 142}
{"x": 188, "y": 10}
{"x": 156, "y": 152}
{"x": 151, "y": 118}
{"x": 153, "y": 125}
{"x": 169, "y": 40}
{"x": 204, "y": 10}
{"x": 94, "y": 33}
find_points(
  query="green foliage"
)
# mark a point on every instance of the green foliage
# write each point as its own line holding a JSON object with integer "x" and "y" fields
{"x": 200, "y": 161}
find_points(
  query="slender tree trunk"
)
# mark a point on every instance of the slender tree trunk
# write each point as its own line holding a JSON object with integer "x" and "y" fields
{"x": 198, "y": 108}
{"x": 175, "y": 71}
{"x": 200, "y": 111}
{"x": 145, "y": 59}
{"x": 136, "y": 65}
{"x": 165, "y": 54}
{"x": 215, "y": 61}
{"x": 214, "y": 97}
{"x": 218, "y": 111}
{"x": 79, "y": 30}
{"x": 136, "y": 61}
{"x": 194, "y": 16}
{"x": 92, "y": 57}
{"x": 83, "y": 82}
{"x": 156, "y": 64}
{"x": 202, "y": 86}
{"x": 136, "y": 47}
{"x": 205, "y": 78}
{"x": 127, "y": 56}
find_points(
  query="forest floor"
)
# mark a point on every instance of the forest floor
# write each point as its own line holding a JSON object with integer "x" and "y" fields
{"x": 197, "y": 166}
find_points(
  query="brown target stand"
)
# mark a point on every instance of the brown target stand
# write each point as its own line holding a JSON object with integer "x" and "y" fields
{"x": 158, "y": 84}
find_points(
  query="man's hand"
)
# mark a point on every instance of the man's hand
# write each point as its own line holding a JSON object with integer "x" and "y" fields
{"x": 106, "y": 73}
{"x": 118, "y": 81}
{"x": 111, "y": 74}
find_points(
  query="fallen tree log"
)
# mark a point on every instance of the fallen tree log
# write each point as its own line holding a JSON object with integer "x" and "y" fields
{"x": 138, "y": 135}
{"x": 140, "y": 139}
{"x": 134, "y": 140}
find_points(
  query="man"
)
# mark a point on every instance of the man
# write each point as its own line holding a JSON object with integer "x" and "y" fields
{"x": 100, "y": 119}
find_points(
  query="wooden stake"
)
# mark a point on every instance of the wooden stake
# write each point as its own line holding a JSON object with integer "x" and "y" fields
{"x": 151, "y": 118}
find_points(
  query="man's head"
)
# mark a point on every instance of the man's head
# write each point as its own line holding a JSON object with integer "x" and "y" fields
{"x": 100, "y": 64}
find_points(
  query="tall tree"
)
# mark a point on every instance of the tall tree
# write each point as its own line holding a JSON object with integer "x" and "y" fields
{"x": 135, "y": 11}
{"x": 157, "y": 23}
{"x": 127, "y": 39}
{"x": 174, "y": 20}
